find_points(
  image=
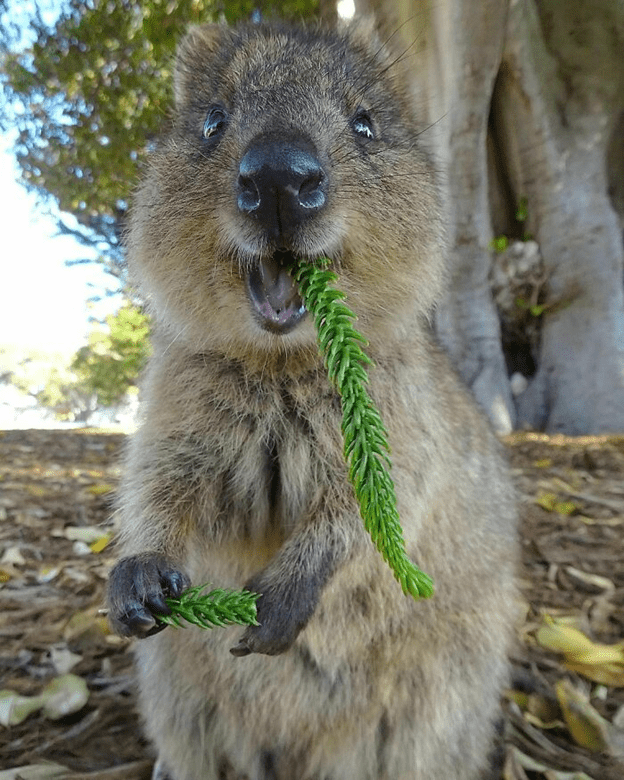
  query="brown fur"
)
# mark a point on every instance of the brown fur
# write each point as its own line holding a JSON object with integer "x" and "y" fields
{"x": 237, "y": 476}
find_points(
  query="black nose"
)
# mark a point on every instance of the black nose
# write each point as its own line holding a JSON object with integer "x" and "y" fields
{"x": 281, "y": 183}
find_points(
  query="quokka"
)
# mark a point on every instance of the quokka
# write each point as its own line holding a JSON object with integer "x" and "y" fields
{"x": 292, "y": 143}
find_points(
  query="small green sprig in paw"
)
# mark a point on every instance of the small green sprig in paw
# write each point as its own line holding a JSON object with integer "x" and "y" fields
{"x": 366, "y": 448}
{"x": 219, "y": 607}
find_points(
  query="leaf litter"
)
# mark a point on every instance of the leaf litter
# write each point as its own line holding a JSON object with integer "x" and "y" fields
{"x": 563, "y": 714}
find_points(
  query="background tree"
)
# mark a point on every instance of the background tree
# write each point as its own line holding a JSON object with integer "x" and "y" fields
{"x": 104, "y": 372}
{"x": 526, "y": 105}
{"x": 113, "y": 359}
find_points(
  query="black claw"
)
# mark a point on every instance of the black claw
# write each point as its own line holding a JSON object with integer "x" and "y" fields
{"x": 157, "y": 604}
{"x": 138, "y": 619}
{"x": 137, "y": 592}
{"x": 156, "y": 629}
{"x": 178, "y": 582}
{"x": 241, "y": 649}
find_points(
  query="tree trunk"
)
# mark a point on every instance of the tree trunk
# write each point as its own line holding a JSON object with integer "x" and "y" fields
{"x": 470, "y": 36}
{"x": 455, "y": 48}
{"x": 557, "y": 102}
{"x": 551, "y": 77}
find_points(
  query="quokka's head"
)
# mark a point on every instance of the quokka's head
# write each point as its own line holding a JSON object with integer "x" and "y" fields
{"x": 286, "y": 143}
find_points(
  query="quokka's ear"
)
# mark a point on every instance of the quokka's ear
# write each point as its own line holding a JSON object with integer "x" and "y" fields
{"x": 195, "y": 51}
{"x": 373, "y": 34}
{"x": 362, "y": 28}
{"x": 381, "y": 38}
{"x": 384, "y": 41}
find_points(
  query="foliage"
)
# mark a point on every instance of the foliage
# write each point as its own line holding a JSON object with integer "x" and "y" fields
{"x": 366, "y": 447}
{"x": 100, "y": 373}
{"x": 219, "y": 607}
{"x": 37, "y": 378}
{"x": 501, "y": 243}
{"x": 522, "y": 211}
{"x": 62, "y": 393}
{"x": 534, "y": 309}
{"x": 114, "y": 357}
{"x": 91, "y": 90}
{"x": 46, "y": 378}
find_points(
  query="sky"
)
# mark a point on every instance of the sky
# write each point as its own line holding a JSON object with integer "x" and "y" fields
{"x": 43, "y": 302}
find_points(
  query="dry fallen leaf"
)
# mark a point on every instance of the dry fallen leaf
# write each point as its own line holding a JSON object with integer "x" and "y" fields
{"x": 86, "y": 628}
{"x": 588, "y": 728}
{"x": 87, "y": 533}
{"x": 600, "y": 663}
{"x": 12, "y": 556}
{"x": 15, "y": 708}
{"x": 518, "y": 762}
{"x": 537, "y": 710}
{"x": 62, "y": 696}
{"x": 594, "y": 580}
{"x": 46, "y": 770}
{"x": 63, "y": 659}
{"x": 551, "y": 503}
{"x": 101, "y": 543}
{"x": 100, "y": 489}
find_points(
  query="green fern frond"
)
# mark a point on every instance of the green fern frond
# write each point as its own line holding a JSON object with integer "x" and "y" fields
{"x": 219, "y": 607}
{"x": 366, "y": 448}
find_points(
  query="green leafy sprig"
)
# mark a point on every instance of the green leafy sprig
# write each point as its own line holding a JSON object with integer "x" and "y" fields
{"x": 219, "y": 607}
{"x": 366, "y": 448}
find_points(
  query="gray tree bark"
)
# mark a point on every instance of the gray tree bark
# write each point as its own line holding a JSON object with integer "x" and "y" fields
{"x": 550, "y": 75}
{"x": 557, "y": 103}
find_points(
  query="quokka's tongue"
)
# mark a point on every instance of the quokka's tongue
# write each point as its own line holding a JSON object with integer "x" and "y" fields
{"x": 274, "y": 295}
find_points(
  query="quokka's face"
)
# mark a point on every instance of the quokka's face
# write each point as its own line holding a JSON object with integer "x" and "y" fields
{"x": 285, "y": 145}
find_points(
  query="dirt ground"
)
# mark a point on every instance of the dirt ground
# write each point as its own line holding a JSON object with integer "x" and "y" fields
{"x": 564, "y": 717}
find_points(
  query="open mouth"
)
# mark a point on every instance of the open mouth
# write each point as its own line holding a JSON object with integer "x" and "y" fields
{"x": 273, "y": 292}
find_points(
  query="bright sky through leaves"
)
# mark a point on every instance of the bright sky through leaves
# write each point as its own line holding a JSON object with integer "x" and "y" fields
{"x": 43, "y": 303}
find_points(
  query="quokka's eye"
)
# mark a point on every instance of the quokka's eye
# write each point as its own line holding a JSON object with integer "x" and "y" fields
{"x": 216, "y": 120}
{"x": 362, "y": 125}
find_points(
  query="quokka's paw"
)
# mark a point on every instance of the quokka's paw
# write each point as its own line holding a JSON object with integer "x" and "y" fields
{"x": 283, "y": 611}
{"x": 137, "y": 589}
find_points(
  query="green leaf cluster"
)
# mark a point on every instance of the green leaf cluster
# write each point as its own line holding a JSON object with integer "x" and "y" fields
{"x": 522, "y": 211}
{"x": 114, "y": 357}
{"x": 500, "y": 243}
{"x": 366, "y": 448}
{"x": 534, "y": 309}
{"x": 219, "y": 607}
